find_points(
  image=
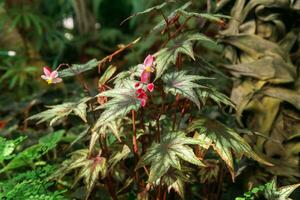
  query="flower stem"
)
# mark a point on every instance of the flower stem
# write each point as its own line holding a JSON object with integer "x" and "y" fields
{"x": 134, "y": 139}
{"x": 174, "y": 117}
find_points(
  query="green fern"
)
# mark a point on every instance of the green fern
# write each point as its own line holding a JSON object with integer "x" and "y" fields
{"x": 33, "y": 185}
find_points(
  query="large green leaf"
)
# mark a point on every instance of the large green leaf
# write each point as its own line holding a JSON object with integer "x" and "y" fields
{"x": 62, "y": 110}
{"x": 167, "y": 153}
{"x": 183, "y": 84}
{"x": 183, "y": 44}
{"x": 34, "y": 152}
{"x": 224, "y": 140}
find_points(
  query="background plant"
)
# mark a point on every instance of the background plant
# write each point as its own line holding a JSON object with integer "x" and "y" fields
{"x": 182, "y": 142}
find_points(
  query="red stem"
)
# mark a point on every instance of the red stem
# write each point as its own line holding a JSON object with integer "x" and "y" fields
{"x": 134, "y": 139}
{"x": 165, "y": 195}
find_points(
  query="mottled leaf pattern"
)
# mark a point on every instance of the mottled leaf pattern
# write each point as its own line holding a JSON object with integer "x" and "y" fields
{"x": 123, "y": 101}
{"x": 167, "y": 153}
{"x": 62, "y": 110}
{"x": 77, "y": 69}
{"x": 224, "y": 140}
{"x": 181, "y": 45}
{"x": 271, "y": 192}
{"x": 183, "y": 84}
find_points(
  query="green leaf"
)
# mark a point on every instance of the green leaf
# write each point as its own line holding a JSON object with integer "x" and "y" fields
{"x": 90, "y": 168}
{"x": 62, "y": 110}
{"x": 208, "y": 16}
{"x": 123, "y": 101}
{"x": 111, "y": 127}
{"x": 28, "y": 155}
{"x": 8, "y": 146}
{"x": 80, "y": 110}
{"x": 181, "y": 45}
{"x": 162, "y": 23}
{"x": 77, "y": 69}
{"x": 210, "y": 92}
{"x": 183, "y": 84}
{"x": 51, "y": 139}
{"x": 271, "y": 192}
{"x": 157, "y": 7}
{"x": 127, "y": 78}
{"x": 224, "y": 140}
{"x": 167, "y": 153}
{"x": 118, "y": 156}
{"x": 175, "y": 179}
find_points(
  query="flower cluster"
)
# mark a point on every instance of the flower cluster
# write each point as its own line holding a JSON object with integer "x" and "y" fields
{"x": 147, "y": 69}
{"x": 51, "y": 76}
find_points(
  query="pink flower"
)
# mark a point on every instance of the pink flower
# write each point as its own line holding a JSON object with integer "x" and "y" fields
{"x": 51, "y": 76}
{"x": 142, "y": 96}
{"x": 150, "y": 87}
{"x": 148, "y": 68}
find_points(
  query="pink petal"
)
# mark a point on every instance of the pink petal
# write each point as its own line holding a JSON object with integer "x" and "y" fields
{"x": 47, "y": 71}
{"x": 145, "y": 76}
{"x": 54, "y": 74}
{"x": 149, "y": 60}
{"x": 137, "y": 84}
{"x": 150, "y": 87}
{"x": 44, "y": 77}
{"x": 143, "y": 102}
{"x": 142, "y": 96}
{"x": 140, "y": 91}
{"x": 57, "y": 80}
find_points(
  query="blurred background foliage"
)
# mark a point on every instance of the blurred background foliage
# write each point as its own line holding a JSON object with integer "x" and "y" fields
{"x": 260, "y": 48}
